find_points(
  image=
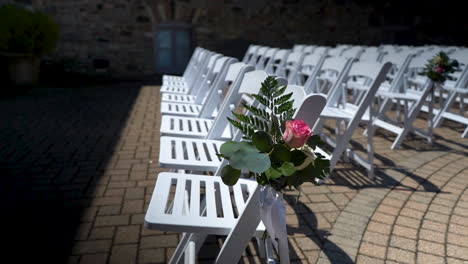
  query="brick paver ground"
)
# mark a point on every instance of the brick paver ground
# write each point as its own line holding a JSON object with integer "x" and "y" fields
{"x": 78, "y": 167}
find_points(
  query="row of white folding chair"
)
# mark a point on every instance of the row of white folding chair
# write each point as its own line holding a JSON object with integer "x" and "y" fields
{"x": 188, "y": 103}
{"x": 453, "y": 91}
{"x": 397, "y": 59}
{"x": 199, "y": 127}
{"x": 187, "y": 87}
{"x": 326, "y": 76}
{"x": 197, "y": 96}
{"x": 330, "y": 74}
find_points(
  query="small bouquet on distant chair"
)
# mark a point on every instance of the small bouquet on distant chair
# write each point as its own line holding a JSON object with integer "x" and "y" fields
{"x": 276, "y": 150}
{"x": 440, "y": 68}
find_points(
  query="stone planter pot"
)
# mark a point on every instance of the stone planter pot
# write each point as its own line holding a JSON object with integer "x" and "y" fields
{"x": 23, "y": 69}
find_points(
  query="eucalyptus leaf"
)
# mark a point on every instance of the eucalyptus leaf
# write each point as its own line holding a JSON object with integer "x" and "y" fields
{"x": 229, "y": 175}
{"x": 247, "y": 146}
{"x": 262, "y": 141}
{"x": 228, "y": 148}
{"x": 251, "y": 161}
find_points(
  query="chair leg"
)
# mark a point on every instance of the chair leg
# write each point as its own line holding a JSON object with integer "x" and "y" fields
{"x": 370, "y": 144}
{"x": 270, "y": 256}
{"x": 180, "y": 249}
{"x": 188, "y": 246}
{"x": 190, "y": 254}
{"x": 261, "y": 243}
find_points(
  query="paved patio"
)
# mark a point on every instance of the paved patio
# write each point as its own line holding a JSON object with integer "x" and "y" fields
{"x": 78, "y": 168}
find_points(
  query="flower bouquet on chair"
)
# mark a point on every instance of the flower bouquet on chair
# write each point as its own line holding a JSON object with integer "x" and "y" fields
{"x": 277, "y": 151}
{"x": 439, "y": 68}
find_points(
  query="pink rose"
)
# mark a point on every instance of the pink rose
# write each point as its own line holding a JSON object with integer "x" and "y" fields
{"x": 439, "y": 69}
{"x": 297, "y": 133}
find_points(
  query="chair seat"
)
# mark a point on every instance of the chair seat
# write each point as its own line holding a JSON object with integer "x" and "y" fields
{"x": 171, "y": 82}
{"x": 176, "y": 89}
{"x": 167, "y": 76}
{"x": 189, "y": 153}
{"x": 409, "y": 96}
{"x": 189, "y": 127}
{"x": 343, "y": 113}
{"x": 178, "y": 98}
{"x": 185, "y": 210}
{"x": 192, "y": 110}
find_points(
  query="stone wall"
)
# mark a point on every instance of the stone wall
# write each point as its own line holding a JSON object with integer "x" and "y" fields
{"x": 116, "y": 36}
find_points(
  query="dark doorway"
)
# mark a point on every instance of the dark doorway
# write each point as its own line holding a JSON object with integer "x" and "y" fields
{"x": 174, "y": 44}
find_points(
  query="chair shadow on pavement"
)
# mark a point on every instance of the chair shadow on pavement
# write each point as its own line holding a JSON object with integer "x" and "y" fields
{"x": 334, "y": 253}
{"x": 55, "y": 146}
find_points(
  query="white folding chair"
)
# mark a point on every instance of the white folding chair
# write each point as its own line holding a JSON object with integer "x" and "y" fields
{"x": 309, "y": 49}
{"x": 258, "y": 55}
{"x": 340, "y": 110}
{"x": 298, "y": 48}
{"x": 321, "y": 50}
{"x": 250, "y": 54}
{"x": 203, "y": 205}
{"x": 277, "y": 63}
{"x": 189, "y": 70}
{"x": 329, "y": 72}
{"x": 370, "y": 54}
{"x": 352, "y": 53}
{"x": 412, "y": 99}
{"x": 291, "y": 66}
{"x": 307, "y": 69}
{"x": 265, "y": 59}
{"x": 195, "y": 69}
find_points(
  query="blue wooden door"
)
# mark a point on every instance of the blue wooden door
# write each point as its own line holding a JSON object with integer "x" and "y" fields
{"x": 174, "y": 45}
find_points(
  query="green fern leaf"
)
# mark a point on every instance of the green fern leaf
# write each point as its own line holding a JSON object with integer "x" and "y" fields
{"x": 285, "y": 107}
{"x": 283, "y": 99}
{"x": 263, "y": 100}
{"x": 279, "y": 91}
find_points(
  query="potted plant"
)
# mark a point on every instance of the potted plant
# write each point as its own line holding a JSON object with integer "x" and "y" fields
{"x": 25, "y": 36}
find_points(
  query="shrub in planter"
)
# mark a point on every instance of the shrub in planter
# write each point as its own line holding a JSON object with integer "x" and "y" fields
{"x": 24, "y": 37}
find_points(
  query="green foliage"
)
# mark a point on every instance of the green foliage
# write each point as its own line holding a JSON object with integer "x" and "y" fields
{"x": 265, "y": 155}
{"x": 439, "y": 68}
{"x": 315, "y": 141}
{"x": 251, "y": 161}
{"x": 262, "y": 141}
{"x": 244, "y": 156}
{"x": 287, "y": 169}
{"x": 280, "y": 154}
{"x": 272, "y": 173}
{"x": 276, "y": 106}
{"x": 297, "y": 157}
{"x": 26, "y": 32}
